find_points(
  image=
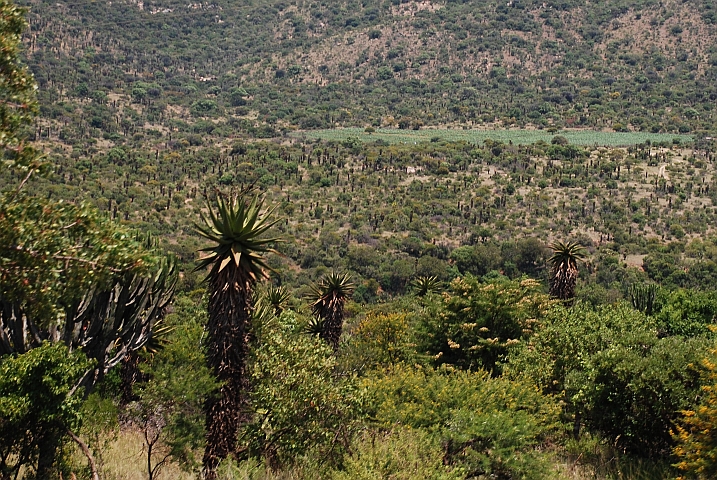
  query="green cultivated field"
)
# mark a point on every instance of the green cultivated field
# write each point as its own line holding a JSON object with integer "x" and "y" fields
{"x": 518, "y": 137}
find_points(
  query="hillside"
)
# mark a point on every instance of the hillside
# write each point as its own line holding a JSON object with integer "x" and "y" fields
{"x": 264, "y": 67}
{"x": 147, "y": 107}
{"x": 458, "y": 239}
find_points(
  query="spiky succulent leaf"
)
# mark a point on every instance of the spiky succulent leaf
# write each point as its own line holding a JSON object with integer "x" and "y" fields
{"x": 566, "y": 255}
{"x": 422, "y": 286}
{"x": 235, "y": 227}
{"x": 277, "y": 297}
{"x": 330, "y": 295}
{"x": 314, "y": 327}
{"x": 332, "y": 287}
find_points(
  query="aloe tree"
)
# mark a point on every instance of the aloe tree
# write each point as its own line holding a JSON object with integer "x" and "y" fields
{"x": 564, "y": 269}
{"x": 236, "y": 227}
{"x": 330, "y": 295}
{"x": 423, "y": 286}
{"x": 278, "y": 298}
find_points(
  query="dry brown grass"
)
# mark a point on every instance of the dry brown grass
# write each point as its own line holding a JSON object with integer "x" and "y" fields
{"x": 126, "y": 459}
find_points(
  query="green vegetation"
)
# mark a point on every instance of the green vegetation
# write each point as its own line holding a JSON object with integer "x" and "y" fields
{"x": 520, "y": 198}
{"x": 517, "y": 137}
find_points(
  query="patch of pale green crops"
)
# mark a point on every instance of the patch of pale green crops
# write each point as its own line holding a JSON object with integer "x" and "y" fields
{"x": 520, "y": 137}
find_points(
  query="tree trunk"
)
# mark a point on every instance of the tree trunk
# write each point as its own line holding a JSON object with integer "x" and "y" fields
{"x": 48, "y": 451}
{"x": 229, "y": 320}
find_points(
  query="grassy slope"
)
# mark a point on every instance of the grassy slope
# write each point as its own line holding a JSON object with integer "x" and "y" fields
{"x": 517, "y": 137}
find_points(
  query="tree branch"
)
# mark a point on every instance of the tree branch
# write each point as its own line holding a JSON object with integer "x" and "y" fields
{"x": 24, "y": 180}
{"x": 67, "y": 258}
{"x": 88, "y": 454}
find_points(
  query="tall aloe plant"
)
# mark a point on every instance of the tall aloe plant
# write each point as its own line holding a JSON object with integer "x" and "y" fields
{"x": 330, "y": 295}
{"x": 236, "y": 228}
{"x": 564, "y": 269}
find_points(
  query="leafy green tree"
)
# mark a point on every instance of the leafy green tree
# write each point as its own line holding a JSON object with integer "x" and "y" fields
{"x": 614, "y": 372}
{"x": 39, "y": 403}
{"x": 236, "y": 227}
{"x": 475, "y": 324}
{"x": 379, "y": 341}
{"x": 330, "y": 295}
{"x": 299, "y": 406}
{"x": 18, "y": 103}
{"x": 70, "y": 277}
{"x": 687, "y": 312}
{"x": 564, "y": 269}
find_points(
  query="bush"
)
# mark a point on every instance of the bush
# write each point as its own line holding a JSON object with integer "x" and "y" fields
{"x": 39, "y": 402}
{"x": 687, "y": 313}
{"x": 614, "y": 372}
{"x": 297, "y": 403}
{"x": 380, "y": 340}
{"x": 488, "y": 426}
{"x": 696, "y": 440}
{"x": 475, "y": 324}
{"x": 400, "y": 454}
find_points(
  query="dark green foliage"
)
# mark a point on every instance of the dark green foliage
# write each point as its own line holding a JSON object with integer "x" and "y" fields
{"x": 55, "y": 252}
{"x": 476, "y": 324}
{"x": 39, "y": 402}
{"x": 617, "y": 376}
{"x": 687, "y": 312}
{"x": 487, "y": 426}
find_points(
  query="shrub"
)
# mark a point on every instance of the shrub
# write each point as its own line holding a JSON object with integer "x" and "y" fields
{"x": 380, "y": 340}
{"x": 39, "y": 402}
{"x": 696, "y": 440}
{"x": 297, "y": 403}
{"x": 488, "y": 426}
{"x": 614, "y": 372}
{"x": 475, "y": 324}
{"x": 687, "y": 312}
{"x": 400, "y": 454}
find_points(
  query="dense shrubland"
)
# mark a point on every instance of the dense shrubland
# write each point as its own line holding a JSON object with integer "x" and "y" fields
{"x": 273, "y": 66}
{"x": 411, "y": 326}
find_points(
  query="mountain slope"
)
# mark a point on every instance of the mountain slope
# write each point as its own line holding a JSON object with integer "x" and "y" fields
{"x": 273, "y": 65}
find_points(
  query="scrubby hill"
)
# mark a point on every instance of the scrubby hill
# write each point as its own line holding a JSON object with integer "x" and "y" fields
{"x": 146, "y": 107}
{"x": 267, "y": 66}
